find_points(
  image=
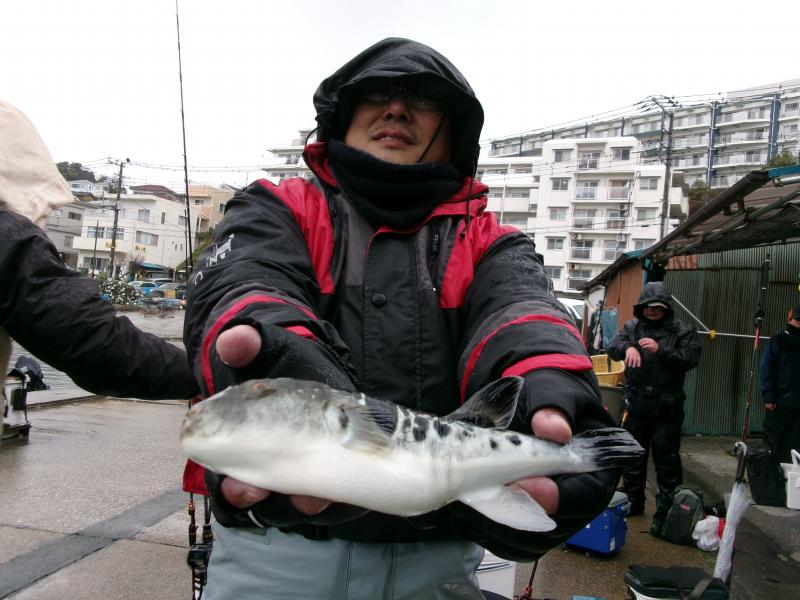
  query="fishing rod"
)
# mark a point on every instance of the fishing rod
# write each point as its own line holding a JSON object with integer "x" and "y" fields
{"x": 759, "y": 321}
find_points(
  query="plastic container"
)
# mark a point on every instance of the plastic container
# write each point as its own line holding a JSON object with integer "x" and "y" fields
{"x": 606, "y": 532}
{"x": 608, "y": 372}
{"x": 792, "y": 472}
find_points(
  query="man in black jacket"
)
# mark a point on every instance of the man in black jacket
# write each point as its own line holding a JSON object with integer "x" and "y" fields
{"x": 383, "y": 273}
{"x": 780, "y": 389}
{"x": 658, "y": 350}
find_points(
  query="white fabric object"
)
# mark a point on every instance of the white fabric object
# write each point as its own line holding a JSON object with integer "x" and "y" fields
{"x": 30, "y": 183}
{"x": 705, "y": 534}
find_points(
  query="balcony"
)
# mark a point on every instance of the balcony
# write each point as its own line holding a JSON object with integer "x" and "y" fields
{"x": 580, "y": 253}
{"x": 750, "y": 116}
{"x": 619, "y": 193}
{"x": 575, "y": 283}
{"x": 583, "y": 224}
{"x": 743, "y": 137}
{"x": 586, "y": 193}
{"x": 615, "y": 223}
{"x": 740, "y": 159}
{"x": 585, "y": 164}
{"x": 691, "y": 121}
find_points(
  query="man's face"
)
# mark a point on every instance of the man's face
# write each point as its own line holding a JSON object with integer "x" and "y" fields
{"x": 653, "y": 313}
{"x": 397, "y": 127}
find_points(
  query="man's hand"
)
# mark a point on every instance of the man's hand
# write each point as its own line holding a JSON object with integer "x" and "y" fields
{"x": 237, "y": 347}
{"x": 770, "y": 405}
{"x": 648, "y": 344}
{"x": 547, "y": 424}
{"x": 632, "y": 358}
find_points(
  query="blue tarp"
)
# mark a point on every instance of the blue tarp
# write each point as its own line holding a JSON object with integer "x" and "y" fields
{"x": 153, "y": 267}
{"x": 608, "y": 325}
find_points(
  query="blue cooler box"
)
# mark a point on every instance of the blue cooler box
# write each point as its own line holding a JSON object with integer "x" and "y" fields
{"x": 606, "y": 532}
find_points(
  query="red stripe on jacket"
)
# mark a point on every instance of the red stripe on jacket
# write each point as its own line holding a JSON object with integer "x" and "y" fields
{"x": 226, "y": 317}
{"x": 310, "y": 210}
{"x": 567, "y": 363}
{"x": 466, "y": 253}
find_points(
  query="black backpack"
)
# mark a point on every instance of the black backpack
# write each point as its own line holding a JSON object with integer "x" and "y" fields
{"x": 683, "y": 515}
{"x": 765, "y": 476}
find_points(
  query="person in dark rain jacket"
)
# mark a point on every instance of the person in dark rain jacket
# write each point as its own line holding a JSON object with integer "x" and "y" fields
{"x": 384, "y": 273}
{"x": 56, "y": 313}
{"x": 780, "y": 389}
{"x": 658, "y": 350}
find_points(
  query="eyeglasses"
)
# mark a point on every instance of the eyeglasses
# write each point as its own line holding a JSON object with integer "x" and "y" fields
{"x": 412, "y": 99}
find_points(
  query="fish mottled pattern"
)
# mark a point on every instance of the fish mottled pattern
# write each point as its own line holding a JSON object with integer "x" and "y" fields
{"x": 515, "y": 439}
{"x": 442, "y": 428}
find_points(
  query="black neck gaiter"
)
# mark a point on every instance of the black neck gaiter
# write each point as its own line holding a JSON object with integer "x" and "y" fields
{"x": 399, "y": 196}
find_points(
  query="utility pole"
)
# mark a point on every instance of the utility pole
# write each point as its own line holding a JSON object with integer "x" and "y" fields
{"x": 121, "y": 164}
{"x": 94, "y": 253}
{"x": 188, "y": 233}
{"x": 660, "y": 102}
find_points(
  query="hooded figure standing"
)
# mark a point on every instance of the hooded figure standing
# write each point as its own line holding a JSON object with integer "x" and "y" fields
{"x": 383, "y": 273}
{"x": 658, "y": 350}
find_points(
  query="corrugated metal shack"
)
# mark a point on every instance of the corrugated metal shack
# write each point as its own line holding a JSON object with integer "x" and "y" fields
{"x": 712, "y": 264}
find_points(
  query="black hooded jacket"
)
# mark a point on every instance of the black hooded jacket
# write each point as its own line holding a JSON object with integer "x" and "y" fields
{"x": 678, "y": 344}
{"x": 423, "y": 316}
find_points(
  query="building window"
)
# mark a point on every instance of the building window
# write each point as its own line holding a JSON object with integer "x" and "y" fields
{"x": 621, "y": 153}
{"x": 757, "y": 113}
{"x": 791, "y": 107}
{"x": 646, "y": 214}
{"x": 68, "y": 241}
{"x": 577, "y": 277}
{"x": 648, "y": 183}
{"x": 495, "y": 193}
{"x": 620, "y": 189}
{"x": 581, "y": 249}
{"x": 496, "y": 171}
{"x": 558, "y": 214}
{"x": 148, "y": 239}
{"x": 560, "y": 184}
{"x": 583, "y": 218}
{"x": 642, "y": 244}
{"x": 73, "y": 216}
{"x": 143, "y": 215}
{"x": 612, "y": 250}
{"x": 588, "y": 159}
{"x": 181, "y": 220}
{"x": 522, "y": 169}
{"x": 553, "y": 272}
{"x": 615, "y": 219}
{"x": 95, "y": 232}
{"x": 587, "y": 190}
{"x": 221, "y": 207}
{"x": 562, "y": 155}
{"x": 555, "y": 243}
{"x": 521, "y": 194}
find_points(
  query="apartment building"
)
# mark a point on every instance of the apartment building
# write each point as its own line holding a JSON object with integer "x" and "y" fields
{"x": 583, "y": 201}
{"x": 63, "y": 225}
{"x": 209, "y": 201}
{"x": 289, "y": 158}
{"x": 151, "y": 231}
{"x": 714, "y": 142}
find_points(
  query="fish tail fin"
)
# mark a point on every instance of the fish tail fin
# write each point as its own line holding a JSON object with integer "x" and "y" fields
{"x": 606, "y": 448}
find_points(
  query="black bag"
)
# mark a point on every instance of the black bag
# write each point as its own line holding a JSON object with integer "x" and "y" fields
{"x": 765, "y": 475}
{"x": 683, "y": 515}
{"x": 675, "y": 582}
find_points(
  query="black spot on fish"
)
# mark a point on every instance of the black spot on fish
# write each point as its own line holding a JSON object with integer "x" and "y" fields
{"x": 343, "y": 419}
{"x": 514, "y": 439}
{"x": 421, "y": 422}
{"x": 493, "y": 444}
{"x": 419, "y": 434}
{"x": 442, "y": 428}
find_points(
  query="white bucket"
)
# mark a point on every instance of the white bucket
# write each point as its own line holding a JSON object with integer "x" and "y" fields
{"x": 792, "y": 472}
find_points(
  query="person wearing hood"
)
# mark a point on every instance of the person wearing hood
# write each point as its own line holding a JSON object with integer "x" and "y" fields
{"x": 383, "y": 273}
{"x": 56, "y": 313}
{"x": 780, "y": 389}
{"x": 658, "y": 350}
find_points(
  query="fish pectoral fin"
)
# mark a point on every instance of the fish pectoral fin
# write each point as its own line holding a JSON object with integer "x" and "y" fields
{"x": 510, "y": 505}
{"x": 364, "y": 434}
{"x": 491, "y": 406}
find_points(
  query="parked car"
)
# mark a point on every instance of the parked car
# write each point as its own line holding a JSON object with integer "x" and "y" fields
{"x": 173, "y": 289}
{"x": 143, "y": 288}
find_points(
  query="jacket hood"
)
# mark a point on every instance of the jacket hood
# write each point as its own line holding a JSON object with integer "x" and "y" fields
{"x": 654, "y": 292}
{"x": 412, "y": 62}
{"x": 30, "y": 183}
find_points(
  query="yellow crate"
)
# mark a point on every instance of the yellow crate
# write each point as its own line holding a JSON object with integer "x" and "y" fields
{"x": 612, "y": 377}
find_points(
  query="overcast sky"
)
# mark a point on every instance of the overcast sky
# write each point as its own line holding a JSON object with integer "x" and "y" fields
{"x": 99, "y": 78}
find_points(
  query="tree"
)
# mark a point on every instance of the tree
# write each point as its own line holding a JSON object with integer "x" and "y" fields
{"x": 75, "y": 171}
{"x": 110, "y": 185}
{"x": 700, "y": 195}
{"x": 784, "y": 159}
